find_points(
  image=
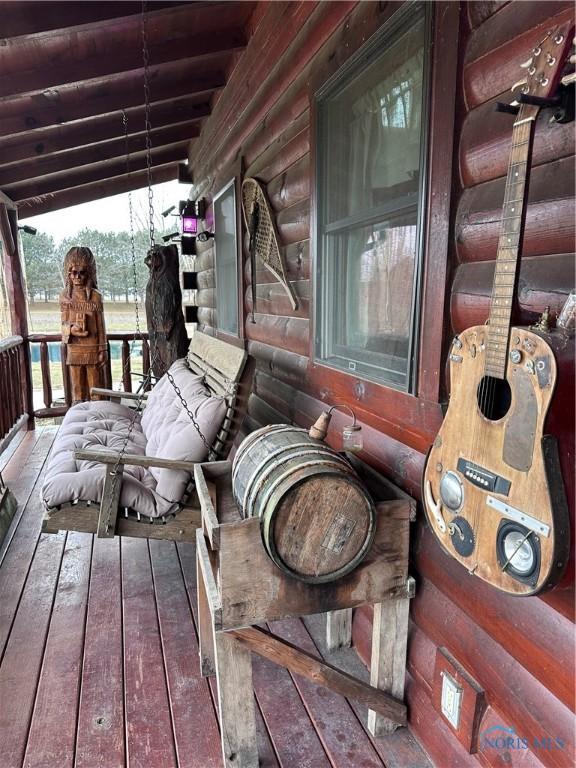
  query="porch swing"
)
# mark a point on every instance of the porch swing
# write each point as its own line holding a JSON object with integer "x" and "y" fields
{"x": 115, "y": 470}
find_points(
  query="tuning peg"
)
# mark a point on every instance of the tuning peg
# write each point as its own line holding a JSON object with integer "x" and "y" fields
{"x": 521, "y": 84}
{"x": 569, "y": 79}
{"x": 527, "y": 63}
{"x": 573, "y": 58}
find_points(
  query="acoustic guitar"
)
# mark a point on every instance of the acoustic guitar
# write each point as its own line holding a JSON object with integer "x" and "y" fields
{"x": 492, "y": 487}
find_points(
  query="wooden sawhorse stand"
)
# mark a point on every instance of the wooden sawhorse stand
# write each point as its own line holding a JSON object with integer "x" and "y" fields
{"x": 239, "y": 587}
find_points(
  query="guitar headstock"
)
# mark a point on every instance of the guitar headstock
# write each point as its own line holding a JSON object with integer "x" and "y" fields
{"x": 545, "y": 66}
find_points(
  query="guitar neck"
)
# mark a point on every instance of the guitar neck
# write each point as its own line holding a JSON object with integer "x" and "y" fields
{"x": 509, "y": 243}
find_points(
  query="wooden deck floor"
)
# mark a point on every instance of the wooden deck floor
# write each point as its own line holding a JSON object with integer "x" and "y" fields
{"x": 98, "y": 658}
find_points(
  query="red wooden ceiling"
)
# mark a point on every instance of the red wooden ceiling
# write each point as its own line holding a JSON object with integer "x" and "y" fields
{"x": 69, "y": 69}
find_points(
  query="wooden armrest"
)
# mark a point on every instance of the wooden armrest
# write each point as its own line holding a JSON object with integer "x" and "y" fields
{"x": 113, "y": 393}
{"x": 111, "y": 457}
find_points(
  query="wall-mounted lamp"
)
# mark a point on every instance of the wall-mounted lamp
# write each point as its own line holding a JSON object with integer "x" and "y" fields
{"x": 191, "y": 211}
{"x": 351, "y": 433}
{"x": 28, "y": 229}
{"x": 203, "y": 237}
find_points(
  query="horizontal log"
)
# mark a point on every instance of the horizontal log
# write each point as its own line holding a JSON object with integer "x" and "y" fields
{"x": 28, "y": 170}
{"x": 291, "y": 186}
{"x": 206, "y": 297}
{"x": 498, "y": 47}
{"x": 280, "y": 363}
{"x": 532, "y": 632}
{"x": 190, "y": 31}
{"x": 263, "y": 413}
{"x": 521, "y": 699}
{"x": 96, "y": 191}
{"x": 486, "y": 140}
{"x": 543, "y": 281}
{"x": 289, "y": 333}
{"x": 168, "y": 83}
{"x": 305, "y": 664}
{"x": 276, "y": 32}
{"x": 205, "y": 261}
{"x": 481, "y": 10}
{"x": 206, "y": 317}
{"x": 281, "y": 141}
{"x": 272, "y": 299}
{"x": 297, "y": 263}
{"x": 207, "y": 278}
{"x": 550, "y": 220}
{"x": 293, "y": 224}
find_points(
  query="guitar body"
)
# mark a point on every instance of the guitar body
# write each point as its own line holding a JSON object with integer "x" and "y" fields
{"x": 492, "y": 488}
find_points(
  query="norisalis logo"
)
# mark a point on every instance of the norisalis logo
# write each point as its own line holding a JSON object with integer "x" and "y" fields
{"x": 502, "y": 738}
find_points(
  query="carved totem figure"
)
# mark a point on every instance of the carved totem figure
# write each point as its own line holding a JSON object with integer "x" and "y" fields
{"x": 82, "y": 319}
{"x": 168, "y": 337}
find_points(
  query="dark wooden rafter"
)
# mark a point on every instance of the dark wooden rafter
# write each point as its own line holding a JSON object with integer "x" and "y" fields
{"x": 100, "y": 96}
{"x": 86, "y": 193}
{"x": 96, "y": 172}
{"x": 98, "y": 139}
{"x": 35, "y": 16}
{"x": 116, "y": 46}
{"x": 67, "y": 72}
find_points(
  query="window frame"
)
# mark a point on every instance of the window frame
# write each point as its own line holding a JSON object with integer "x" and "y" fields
{"x": 380, "y": 403}
{"x": 234, "y": 183}
{"x": 325, "y": 350}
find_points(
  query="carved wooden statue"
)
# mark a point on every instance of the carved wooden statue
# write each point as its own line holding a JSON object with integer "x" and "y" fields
{"x": 168, "y": 337}
{"x": 83, "y": 329}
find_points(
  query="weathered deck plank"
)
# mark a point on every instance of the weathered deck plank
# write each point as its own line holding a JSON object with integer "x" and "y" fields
{"x": 53, "y": 728}
{"x": 149, "y": 734}
{"x": 25, "y": 649}
{"x": 100, "y": 741}
{"x": 197, "y": 738}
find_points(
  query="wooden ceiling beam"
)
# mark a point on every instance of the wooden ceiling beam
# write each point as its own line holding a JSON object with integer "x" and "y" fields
{"x": 90, "y": 173}
{"x": 96, "y": 191}
{"x": 83, "y": 133}
{"x": 101, "y": 96}
{"x": 27, "y": 170}
{"x": 35, "y": 16}
{"x": 181, "y": 33}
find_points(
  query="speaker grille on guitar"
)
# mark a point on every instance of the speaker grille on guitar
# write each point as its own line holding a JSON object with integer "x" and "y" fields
{"x": 518, "y": 551}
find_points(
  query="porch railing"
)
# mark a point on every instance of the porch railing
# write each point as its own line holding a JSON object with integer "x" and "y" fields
{"x": 13, "y": 415}
{"x": 53, "y": 408}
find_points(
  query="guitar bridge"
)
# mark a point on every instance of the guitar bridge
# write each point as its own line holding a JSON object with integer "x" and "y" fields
{"x": 483, "y": 478}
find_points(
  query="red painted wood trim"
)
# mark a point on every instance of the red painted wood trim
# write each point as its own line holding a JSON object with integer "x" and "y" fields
{"x": 435, "y": 248}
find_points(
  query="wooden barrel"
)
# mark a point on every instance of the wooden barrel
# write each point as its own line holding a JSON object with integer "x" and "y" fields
{"x": 318, "y": 521}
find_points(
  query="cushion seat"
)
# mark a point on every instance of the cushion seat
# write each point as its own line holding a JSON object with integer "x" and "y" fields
{"x": 164, "y": 430}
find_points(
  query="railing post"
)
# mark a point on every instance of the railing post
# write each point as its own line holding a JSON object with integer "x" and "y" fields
{"x": 17, "y": 298}
{"x": 126, "y": 362}
{"x": 46, "y": 378}
{"x": 146, "y": 362}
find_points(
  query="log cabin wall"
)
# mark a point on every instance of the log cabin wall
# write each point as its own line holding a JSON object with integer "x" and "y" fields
{"x": 518, "y": 652}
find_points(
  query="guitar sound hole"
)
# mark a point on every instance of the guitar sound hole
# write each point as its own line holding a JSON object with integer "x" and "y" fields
{"x": 494, "y": 397}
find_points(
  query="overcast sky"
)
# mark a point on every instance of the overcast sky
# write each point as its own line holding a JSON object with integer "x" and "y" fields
{"x": 111, "y": 214}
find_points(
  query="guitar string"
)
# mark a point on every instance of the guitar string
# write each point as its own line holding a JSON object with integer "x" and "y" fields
{"x": 488, "y": 384}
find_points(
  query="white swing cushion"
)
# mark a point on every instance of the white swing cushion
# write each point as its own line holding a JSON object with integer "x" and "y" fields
{"x": 169, "y": 432}
{"x": 164, "y": 430}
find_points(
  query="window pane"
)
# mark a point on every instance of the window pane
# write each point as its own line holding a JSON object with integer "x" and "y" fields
{"x": 226, "y": 261}
{"x": 373, "y": 125}
{"x": 370, "y": 191}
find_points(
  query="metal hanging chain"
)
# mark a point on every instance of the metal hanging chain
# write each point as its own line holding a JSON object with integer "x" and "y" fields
{"x": 147, "y": 122}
